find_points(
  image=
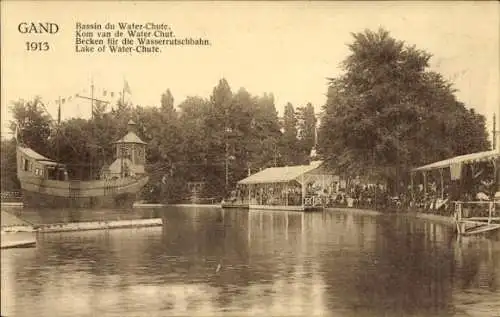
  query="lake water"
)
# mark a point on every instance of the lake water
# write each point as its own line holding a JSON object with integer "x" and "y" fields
{"x": 206, "y": 261}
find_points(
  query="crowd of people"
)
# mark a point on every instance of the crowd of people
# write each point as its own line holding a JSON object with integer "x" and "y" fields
{"x": 435, "y": 196}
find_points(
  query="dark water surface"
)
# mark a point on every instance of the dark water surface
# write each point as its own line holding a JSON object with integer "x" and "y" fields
{"x": 271, "y": 263}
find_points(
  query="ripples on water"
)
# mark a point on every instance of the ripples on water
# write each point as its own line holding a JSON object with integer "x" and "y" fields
{"x": 271, "y": 263}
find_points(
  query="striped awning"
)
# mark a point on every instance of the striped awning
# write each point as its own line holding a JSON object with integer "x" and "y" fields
{"x": 462, "y": 159}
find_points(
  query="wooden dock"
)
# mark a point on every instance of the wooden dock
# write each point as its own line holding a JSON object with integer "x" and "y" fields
{"x": 477, "y": 217}
{"x": 235, "y": 205}
{"x": 25, "y": 243}
{"x": 99, "y": 225}
{"x": 12, "y": 225}
{"x": 285, "y": 207}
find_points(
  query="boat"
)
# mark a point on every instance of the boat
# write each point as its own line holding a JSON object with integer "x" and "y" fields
{"x": 45, "y": 183}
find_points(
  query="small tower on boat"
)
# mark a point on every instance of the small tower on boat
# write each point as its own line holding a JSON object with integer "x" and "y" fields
{"x": 130, "y": 154}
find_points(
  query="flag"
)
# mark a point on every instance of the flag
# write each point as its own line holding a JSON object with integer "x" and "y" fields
{"x": 69, "y": 98}
{"x": 126, "y": 87}
{"x": 63, "y": 100}
{"x": 104, "y": 93}
{"x": 112, "y": 94}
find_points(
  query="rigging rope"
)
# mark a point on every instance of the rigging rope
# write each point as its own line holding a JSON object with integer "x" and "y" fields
{"x": 58, "y": 127}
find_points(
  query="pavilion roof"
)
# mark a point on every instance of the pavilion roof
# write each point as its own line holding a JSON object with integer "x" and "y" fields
{"x": 279, "y": 174}
{"x": 462, "y": 159}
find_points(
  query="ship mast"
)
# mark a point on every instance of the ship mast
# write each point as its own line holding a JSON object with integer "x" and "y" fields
{"x": 58, "y": 126}
{"x": 494, "y": 132}
{"x": 92, "y": 99}
{"x": 120, "y": 145}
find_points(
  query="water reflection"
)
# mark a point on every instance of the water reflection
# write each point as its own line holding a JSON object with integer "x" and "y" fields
{"x": 271, "y": 263}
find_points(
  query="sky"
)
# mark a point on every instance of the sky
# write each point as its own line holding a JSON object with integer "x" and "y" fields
{"x": 284, "y": 48}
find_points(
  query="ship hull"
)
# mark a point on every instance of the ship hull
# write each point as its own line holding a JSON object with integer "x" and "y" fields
{"x": 121, "y": 193}
{"x": 38, "y": 200}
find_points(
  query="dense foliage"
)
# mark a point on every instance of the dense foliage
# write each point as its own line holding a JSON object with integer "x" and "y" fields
{"x": 388, "y": 112}
{"x": 203, "y": 139}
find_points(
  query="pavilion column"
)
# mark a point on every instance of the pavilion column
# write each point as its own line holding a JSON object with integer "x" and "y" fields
{"x": 424, "y": 173}
{"x": 471, "y": 188}
{"x": 286, "y": 194}
{"x": 249, "y": 188}
{"x": 323, "y": 184}
{"x": 411, "y": 184}
{"x": 303, "y": 190}
{"x": 261, "y": 194}
{"x": 442, "y": 183}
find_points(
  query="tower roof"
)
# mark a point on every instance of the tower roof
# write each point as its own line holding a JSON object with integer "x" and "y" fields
{"x": 131, "y": 137}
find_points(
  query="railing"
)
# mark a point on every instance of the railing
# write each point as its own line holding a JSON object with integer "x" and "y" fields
{"x": 315, "y": 201}
{"x": 481, "y": 215}
{"x": 200, "y": 200}
{"x": 11, "y": 196}
{"x": 478, "y": 210}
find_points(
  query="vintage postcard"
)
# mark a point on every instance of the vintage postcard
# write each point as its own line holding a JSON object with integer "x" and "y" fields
{"x": 236, "y": 158}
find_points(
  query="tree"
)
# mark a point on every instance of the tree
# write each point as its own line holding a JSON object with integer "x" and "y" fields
{"x": 32, "y": 123}
{"x": 241, "y": 142}
{"x": 77, "y": 147}
{"x": 387, "y": 112}
{"x": 167, "y": 101}
{"x": 307, "y": 130}
{"x": 289, "y": 142}
{"x": 265, "y": 135}
{"x": 8, "y": 166}
{"x": 219, "y": 130}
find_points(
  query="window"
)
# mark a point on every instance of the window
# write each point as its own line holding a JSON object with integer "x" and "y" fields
{"x": 26, "y": 165}
{"x": 37, "y": 171}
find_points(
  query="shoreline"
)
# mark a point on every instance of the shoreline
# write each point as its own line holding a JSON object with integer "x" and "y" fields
{"x": 447, "y": 220}
{"x": 194, "y": 205}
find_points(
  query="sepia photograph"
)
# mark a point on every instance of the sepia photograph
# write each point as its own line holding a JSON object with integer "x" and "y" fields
{"x": 250, "y": 158}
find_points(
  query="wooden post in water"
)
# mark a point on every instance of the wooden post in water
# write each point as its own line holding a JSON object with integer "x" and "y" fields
{"x": 458, "y": 217}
